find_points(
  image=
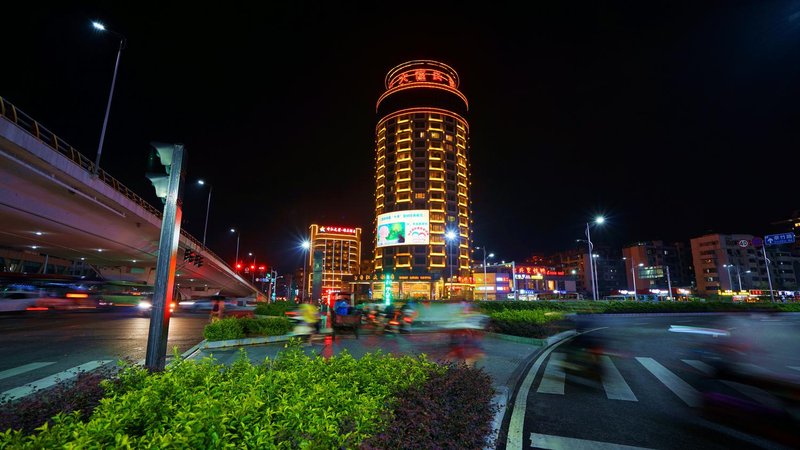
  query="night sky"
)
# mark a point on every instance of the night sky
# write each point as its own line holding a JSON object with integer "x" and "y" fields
{"x": 673, "y": 119}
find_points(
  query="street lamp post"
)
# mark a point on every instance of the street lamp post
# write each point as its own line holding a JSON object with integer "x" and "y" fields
{"x": 208, "y": 208}
{"x": 669, "y": 284}
{"x": 599, "y": 221}
{"x": 238, "y": 234}
{"x": 730, "y": 280}
{"x": 305, "y": 246}
{"x": 633, "y": 274}
{"x": 450, "y": 236}
{"x": 122, "y": 40}
{"x": 491, "y": 255}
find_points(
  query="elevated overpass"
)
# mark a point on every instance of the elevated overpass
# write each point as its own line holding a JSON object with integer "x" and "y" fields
{"x": 51, "y": 203}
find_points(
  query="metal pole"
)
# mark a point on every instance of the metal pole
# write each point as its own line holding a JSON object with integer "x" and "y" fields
{"x": 163, "y": 289}
{"x": 730, "y": 280}
{"x": 739, "y": 276}
{"x": 108, "y": 109}
{"x": 669, "y": 285}
{"x": 238, "y": 234}
{"x": 208, "y": 208}
{"x": 591, "y": 261}
{"x": 596, "y": 278}
{"x": 305, "y": 269}
{"x": 514, "y": 280}
{"x": 633, "y": 276}
{"x": 450, "y": 261}
{"x": 769, "y": 277}
{"x": 485, "y": 292}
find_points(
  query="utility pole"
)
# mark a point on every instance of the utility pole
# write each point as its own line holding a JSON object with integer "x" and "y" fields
{"x": 769, "y": 277}
{"x": 669, "y": 285}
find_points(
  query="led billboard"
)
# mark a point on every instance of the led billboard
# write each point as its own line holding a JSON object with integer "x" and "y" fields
{"x": 410, "y": 227}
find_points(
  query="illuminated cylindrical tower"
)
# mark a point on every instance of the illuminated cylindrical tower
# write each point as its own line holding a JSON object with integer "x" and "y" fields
{"x": 422, "y": 177}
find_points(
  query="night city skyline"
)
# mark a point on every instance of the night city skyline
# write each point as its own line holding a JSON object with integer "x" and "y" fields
{"x": 672, "y": 120}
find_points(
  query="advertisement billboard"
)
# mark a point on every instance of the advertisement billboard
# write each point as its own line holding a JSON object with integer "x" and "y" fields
{"x": 410, "y": 227}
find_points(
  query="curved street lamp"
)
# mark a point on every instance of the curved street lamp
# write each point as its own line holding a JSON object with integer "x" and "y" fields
{"x": 122, "y": 41}
{"x": 208, "y": 207}
{"x": 599, "y": 220}
{"x": 238, "y": 234}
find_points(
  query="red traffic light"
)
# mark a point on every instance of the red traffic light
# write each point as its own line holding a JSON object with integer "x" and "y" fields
{"x": 252, "y": 267}
{"x": 262, "y": 268}
{"x": 238, "y": 266}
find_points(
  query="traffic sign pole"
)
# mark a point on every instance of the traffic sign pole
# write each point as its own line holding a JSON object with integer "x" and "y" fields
{"x": 769, "y": 278}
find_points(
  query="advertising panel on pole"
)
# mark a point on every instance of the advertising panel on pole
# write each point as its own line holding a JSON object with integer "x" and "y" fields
{"x": 411, "y": 227}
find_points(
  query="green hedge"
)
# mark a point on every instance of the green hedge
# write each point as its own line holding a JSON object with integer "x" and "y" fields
{"x": 238, "y": 328}
{"x": 295, "y": 401}
{"x": 274, "y": 309}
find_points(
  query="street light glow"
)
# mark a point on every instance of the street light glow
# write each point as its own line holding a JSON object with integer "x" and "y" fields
{"x": 305, "y": 245}
{"x": 641, "y": 264}
{"x": 599, "y": 220}
{"x": 491, "y": 255}
{"x": 233, "y": 230}
{"x": 450, "y": 235}
{"x": 201, "y": 182}
{"x": 99, "y": 26}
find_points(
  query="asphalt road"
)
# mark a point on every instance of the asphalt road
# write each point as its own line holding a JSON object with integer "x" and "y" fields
{"x": 38, "y": 344}
{"x": 647, "y": 396}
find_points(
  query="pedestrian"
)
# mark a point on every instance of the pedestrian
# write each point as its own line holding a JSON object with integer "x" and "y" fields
{"x": 310, "y": 315}
{"x": 217, "y": 308}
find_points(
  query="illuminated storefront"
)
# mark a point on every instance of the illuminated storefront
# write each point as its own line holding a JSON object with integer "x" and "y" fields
{"x": 422, "y": 181}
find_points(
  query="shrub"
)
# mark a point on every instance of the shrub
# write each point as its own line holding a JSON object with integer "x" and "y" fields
{"x": 274, "y": 309}
{"x": 276, "y": 326}
{"x": 224, "y": 329}
{"x": 452, "y": 410}
{"x": 81, "y": 396}
{"x": 295, "y": 401}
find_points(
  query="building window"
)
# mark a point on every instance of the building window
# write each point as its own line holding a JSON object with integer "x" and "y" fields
{"x": 419, "y": 184}
{"x": 419, "y": 144}
{"x": 419, "y": 260}
{"x": 419, "y": 174}
{"x": 419, "y": 153}
{"x": 419, "y": 195}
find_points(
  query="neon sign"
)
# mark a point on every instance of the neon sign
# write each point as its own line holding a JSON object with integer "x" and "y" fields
{"x": 422, "y": 76}
{"x": 343, "y": 230}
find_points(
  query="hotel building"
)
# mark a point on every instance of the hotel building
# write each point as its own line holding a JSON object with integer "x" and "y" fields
{"x": 423, "y": 211}
{"x": 334, "y": 255}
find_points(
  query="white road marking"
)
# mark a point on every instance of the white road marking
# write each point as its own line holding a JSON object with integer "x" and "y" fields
{"x": 553, "y": 379}
{"x": 700, "y": 365}
{"x": 547, "y": 441}
{"x": 682, "y": 389}
{"x": 27, "y": 389}
{"x": 517, "y": 421}
{"x": 794, "y": 367}
{"x": 615, "y": 386}
{"x": 22, "y": 369}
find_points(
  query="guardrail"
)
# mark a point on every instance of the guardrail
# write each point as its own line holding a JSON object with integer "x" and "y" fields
{"x": 50, "y": 139}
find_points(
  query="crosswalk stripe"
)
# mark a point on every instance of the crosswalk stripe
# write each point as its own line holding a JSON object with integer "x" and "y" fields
{"x": 22, "y": 369}
{"x": 553, "y": 378}
{"x": 615, "y": 386}
{"x": 682, "y": 389}
{"x": 794, "y": 367}
{"x": 700, "y": 365}
{"x": 548, "y": 441}
{"x": 25, "y": 390}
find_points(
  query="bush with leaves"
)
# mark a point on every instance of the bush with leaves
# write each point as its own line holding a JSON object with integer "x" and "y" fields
{"x": 274, "y": 309}
{"x": 81, "y": 395}
{"x": 238, "y": 328}
{"x": 452, "y": 410}
{"x": 294, "y": 401}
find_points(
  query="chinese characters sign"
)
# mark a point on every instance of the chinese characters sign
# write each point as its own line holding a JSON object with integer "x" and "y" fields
{"x": 422, "y": 76}
{"x": 342, "y": 230}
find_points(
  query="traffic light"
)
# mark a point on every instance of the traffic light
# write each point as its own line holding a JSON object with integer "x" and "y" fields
{"x": 198, "y": 260}
{"x": 238, "y": 266}
{"x": 159, "y": 164}
{"x": 188, "y": 256}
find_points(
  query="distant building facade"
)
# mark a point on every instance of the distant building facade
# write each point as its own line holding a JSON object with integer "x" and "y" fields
{"x": 722, "y": 264}
{"x": 339, "y": 251}
{"x": 658, "y": 258}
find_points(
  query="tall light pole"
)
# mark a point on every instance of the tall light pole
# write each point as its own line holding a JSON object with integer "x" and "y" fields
{"x": 599, "y": 221}
{"x": 728, "y": 267}
{"x": 633, "y": 273}
{"x": 208, "y": 208}
{"x": 491, "y": 255}
{"x": 238, "y": 234}
{"x": 450, "y": 236}
{"x": 122, "y": 41}
{"x": 669, "y": 284}
{"x": 305, "y": 246}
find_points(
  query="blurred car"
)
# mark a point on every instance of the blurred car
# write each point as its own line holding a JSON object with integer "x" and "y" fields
{"x": 70, "y": 299}
{"x": 233, "y": 306}
{"x": 146, "y": 306}
{"x": 18, "y": 300}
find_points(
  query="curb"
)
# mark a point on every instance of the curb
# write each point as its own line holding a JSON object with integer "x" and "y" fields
{"x": 246, "y": 341}
{"x": 501, "y": 401}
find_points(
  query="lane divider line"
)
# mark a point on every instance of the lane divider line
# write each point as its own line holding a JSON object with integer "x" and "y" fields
{"x": 44, "y": 383}
{"x": 22, "y": 369}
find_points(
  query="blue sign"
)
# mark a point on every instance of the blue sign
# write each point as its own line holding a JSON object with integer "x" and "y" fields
{"x": 780, "y": 238}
